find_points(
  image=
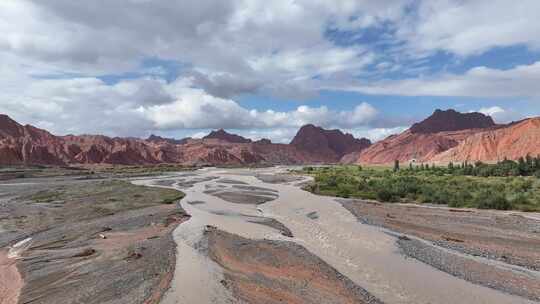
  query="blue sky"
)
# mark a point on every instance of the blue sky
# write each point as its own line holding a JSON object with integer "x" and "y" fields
{"x": 263, "y": 69}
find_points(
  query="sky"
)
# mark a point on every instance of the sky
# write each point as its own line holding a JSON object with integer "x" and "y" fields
{"x": 264, "y": 68}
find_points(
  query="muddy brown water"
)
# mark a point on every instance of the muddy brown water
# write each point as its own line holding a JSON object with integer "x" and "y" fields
{"x": 368, "y": 255}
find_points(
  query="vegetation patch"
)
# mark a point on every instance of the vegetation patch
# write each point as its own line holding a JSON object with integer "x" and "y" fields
{"x": 142, "y": 170}
{"x": 46, "y": 196}
{"x": 477, "y": 186}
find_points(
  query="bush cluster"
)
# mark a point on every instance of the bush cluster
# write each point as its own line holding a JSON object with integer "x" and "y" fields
{"x": 436, "y": 185}
{"x": 524, "y": 166}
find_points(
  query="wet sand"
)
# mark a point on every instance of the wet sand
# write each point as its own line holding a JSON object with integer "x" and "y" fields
{"x": 369, "y": 256}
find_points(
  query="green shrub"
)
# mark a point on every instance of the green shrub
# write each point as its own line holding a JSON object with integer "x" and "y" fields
{"x": 528, "y": 208}
{"x": 520, "y": 199}
{"x": 331, "y": 181}
{"x": 384, "y": 195}
{"x": 344, "y": 191}
{"x": 442, "y": 197}
{"x": 438, "y": 185}
{"x": 491, "y": 200}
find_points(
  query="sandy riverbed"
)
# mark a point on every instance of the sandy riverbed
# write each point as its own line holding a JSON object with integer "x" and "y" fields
{"x": 368, "y": 255}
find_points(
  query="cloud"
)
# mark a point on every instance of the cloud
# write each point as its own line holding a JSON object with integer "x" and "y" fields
{"x": 56, "y": 54}
{"x": 137, "y": 106}
{"x": 376, "y": 134}
{"x": 469, "y": 28}
{"x": 491, "y": 110}
{"x": 276, "y": 135}
{"x": 501, "y": 115}
{"x": 279, "y": 48}
{"x": 193, "y": 108}
{"x": 84, "y": 105}
{"x": 224, "y": 85}
{"x": 520, "y": 81}
{"x": 234, "y": 46}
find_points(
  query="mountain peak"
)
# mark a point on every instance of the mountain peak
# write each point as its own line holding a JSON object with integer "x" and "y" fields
{"x": 331, "y": 142}
{"x": 5, "y": 119}
{"x": 452, "y": 120}
{"x": 156, "y": 139}
{"x": 223, "y": 135}
{"x": 9, "y": 127}
{"x": 264, "y": 141}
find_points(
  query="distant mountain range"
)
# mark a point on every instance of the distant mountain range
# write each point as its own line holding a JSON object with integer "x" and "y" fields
{"x": 26, "y": 145}
{"x": 444, "y": 136}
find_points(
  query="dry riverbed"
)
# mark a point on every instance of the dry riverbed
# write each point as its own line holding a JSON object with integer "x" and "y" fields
{"x": 66, "y": 240}
{"x": 496, "y": 249}
{"x": 252, "y": 236}
{"x": 270, "y": 271}
{"x": 234, "y": 249}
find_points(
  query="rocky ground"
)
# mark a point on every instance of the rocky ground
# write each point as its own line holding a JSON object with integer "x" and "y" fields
{"x": 84, "y": 241}
{"x": 267, "y": 271}
{"x": 505, "y": 247}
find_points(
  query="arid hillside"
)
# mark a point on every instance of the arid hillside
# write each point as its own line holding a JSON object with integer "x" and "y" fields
{"x": 333, "y": 144}
{"x": 28, "y": 145}
{"x": 452, "y": 136}
{"x": 512, "y": 141}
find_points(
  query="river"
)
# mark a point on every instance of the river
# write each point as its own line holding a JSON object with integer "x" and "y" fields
{"x": 366, "y": 254}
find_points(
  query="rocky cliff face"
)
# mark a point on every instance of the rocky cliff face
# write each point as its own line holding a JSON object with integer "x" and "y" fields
{"x": 331, "y": 144}
{"x": 440, "y": 132}
{"x": 24, "y": 145}
{"x": 29, "y": 145}
{"x": 451, "y": 120}
{"x": 510, "y": 141}
{"x": 409, "y": 146}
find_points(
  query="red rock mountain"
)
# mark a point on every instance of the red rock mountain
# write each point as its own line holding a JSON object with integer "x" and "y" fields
{"x": 439, "y": 132}
{"x": 263, "y": 141}
{"x": 511, "y": 141}
{"x": 158, "y": 139}
{"x": 24, "y": 145}
{"x": 332, "y": 144}
{"x": 222, "y": 135}
{"x": 458, "y": 137}
{"x": 451, "y": 120}
{"x": 452, "y": 136}
{"x": 409, "y": 146}
{"x": 27, "y": 144}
